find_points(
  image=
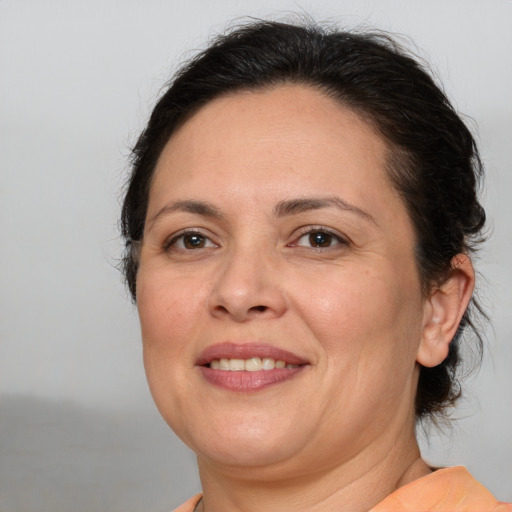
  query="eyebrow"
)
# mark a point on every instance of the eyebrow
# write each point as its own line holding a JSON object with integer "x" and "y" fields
{"x": 282, "y": 209}
{"x": 294, "y": 206}
{"x": 189, "y": 206}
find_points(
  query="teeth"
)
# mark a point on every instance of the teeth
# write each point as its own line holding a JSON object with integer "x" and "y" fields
{"x": 252, "y": 364}
{"x": 236, "y": 365}
{"x": 268, "y": 364}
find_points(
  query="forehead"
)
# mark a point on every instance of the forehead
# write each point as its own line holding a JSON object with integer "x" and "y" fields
{"x": 275, "y": 141}
{"x": 271, "y": 114}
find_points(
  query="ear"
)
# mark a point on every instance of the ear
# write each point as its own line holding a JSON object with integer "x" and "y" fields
{"x": 443, "y": 311}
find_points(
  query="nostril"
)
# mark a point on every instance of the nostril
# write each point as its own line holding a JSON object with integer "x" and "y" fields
{"x": 259, "y": 308}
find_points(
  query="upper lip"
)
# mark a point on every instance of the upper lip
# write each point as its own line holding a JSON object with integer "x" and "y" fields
{"x": 230, "y": 350}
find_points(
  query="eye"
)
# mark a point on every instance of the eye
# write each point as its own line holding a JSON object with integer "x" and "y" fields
{"x": 190, "y": 240}
{"x": 319, "y": 239}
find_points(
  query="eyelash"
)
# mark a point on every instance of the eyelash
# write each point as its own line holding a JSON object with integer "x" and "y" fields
{"x": 172, "y": 243}
{"x": 314, "y": 230}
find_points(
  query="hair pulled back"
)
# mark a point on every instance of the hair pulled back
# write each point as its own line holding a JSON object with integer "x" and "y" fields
{"x": 433, "y": 160}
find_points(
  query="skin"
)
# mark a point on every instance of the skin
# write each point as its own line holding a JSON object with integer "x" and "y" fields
{"x": 340, "y": 433}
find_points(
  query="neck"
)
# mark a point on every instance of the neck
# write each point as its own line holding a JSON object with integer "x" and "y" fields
{"x": 355, "y": 486}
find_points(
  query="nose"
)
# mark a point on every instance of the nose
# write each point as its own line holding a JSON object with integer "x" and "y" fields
{"x": 247, "y": 287}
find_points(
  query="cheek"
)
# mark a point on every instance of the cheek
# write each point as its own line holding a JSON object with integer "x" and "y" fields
{"x": 168, "y": 312}
{"x": 166, "y": 307}
{"x": 168, "y": 318}
{"x": 368, "y": 328}
{"x": 363, "y": 311}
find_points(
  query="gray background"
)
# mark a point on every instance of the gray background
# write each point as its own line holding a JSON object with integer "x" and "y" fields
{"x": 78, "y": 430}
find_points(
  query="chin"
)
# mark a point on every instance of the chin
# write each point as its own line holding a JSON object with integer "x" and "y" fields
{"x": 242, "y": 443}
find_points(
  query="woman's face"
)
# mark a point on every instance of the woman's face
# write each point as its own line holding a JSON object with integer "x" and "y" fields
{"x": 273, "y": 233}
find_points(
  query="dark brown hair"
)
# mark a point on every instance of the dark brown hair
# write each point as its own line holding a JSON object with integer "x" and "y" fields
{"x": 433, "y": 159}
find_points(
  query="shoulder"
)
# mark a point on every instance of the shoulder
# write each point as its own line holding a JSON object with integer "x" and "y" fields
{"x": 449, "y": 489}
{"x": 189, "y": 505}
{"x": 444, "y": 490}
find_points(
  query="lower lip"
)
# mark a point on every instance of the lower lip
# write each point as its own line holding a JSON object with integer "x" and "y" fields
{"x": 248, "y": 381}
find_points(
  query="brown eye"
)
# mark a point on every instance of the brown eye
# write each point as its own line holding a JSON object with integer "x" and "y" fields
{"x": 320, "y": 239}
{"x": 188, "y": 241}
{"x": 194, "y": 241}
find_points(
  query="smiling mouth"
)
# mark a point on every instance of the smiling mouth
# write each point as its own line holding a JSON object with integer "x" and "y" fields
{"x": 248, "y": 367}
{"x": 253, "y": 364}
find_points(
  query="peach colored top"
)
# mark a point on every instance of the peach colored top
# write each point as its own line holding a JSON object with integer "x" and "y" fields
{"x": 444, "y": 490}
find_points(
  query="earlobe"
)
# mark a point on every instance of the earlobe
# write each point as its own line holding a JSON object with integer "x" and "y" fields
{"x": 443, "y": 311}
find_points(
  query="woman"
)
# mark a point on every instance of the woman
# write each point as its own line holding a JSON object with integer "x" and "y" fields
{"x": 299, "y": 222}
